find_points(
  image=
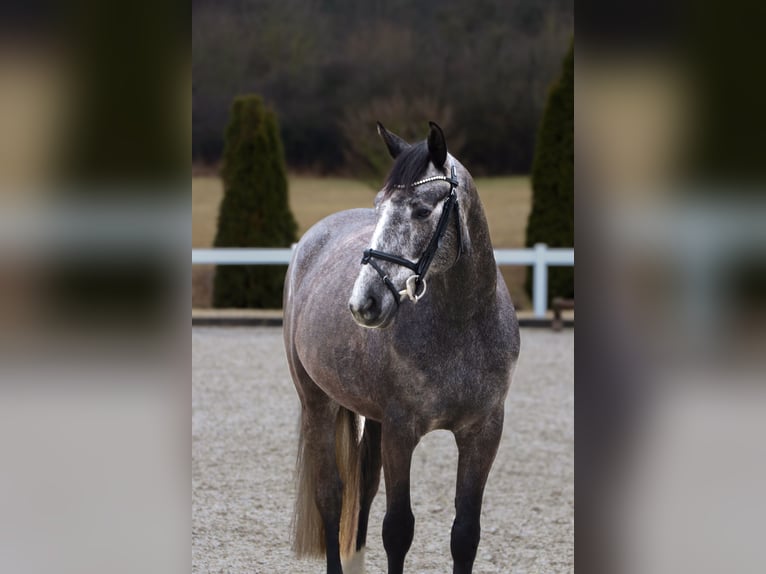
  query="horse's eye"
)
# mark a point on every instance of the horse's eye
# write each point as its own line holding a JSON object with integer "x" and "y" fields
{"x": 421, "y": 213}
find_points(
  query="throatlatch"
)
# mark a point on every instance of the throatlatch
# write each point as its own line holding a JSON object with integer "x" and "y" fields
{"x": 414, "y": 283}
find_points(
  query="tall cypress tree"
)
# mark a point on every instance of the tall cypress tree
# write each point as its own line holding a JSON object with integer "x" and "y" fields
{"x": 551, "y": 219}
{"x": 254, "y": 211}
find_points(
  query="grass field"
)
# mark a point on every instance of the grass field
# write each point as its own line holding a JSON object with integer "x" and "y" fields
{"x": 507, "y": 201}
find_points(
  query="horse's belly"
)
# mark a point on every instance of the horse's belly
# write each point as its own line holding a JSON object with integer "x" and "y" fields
{"x": 342, "y": 368}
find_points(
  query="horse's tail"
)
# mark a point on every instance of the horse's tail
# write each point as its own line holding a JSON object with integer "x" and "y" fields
{"x": 308, "y": 529}
{"x": 349, "y": 459}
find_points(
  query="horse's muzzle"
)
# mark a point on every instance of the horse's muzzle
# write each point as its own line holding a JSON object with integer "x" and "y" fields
{"x": 370, "y": 312}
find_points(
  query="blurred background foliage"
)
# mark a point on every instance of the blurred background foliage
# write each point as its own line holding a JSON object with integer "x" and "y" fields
{"x": 551, "y": 219}
{"x": 331, "y": 68}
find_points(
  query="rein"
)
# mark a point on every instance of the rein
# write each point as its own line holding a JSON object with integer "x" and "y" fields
{"x": 420, "y": 267}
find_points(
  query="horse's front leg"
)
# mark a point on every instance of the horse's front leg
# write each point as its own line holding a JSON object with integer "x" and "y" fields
{"x": 397, "y": 444}
{"x": 477, "y": 446}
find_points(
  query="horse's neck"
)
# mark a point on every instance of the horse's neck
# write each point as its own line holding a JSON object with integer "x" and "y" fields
{"x": 472, "y": 280}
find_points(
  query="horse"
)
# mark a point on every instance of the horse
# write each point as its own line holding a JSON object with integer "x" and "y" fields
{"x": 421, "y": 336}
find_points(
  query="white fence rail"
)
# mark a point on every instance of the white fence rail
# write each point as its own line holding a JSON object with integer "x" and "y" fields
{"x": 540, "y": 257}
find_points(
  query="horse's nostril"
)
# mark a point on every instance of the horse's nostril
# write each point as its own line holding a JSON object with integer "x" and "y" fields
{"x": 371, "y": 309}
{"x": 370, "y": 304}
{"x": 368, "y": 311}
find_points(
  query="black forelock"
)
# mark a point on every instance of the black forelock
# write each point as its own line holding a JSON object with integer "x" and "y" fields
{"x": 409, "y": 167}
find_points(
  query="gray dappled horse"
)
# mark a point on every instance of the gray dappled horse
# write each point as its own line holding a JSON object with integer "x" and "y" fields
{"x": 422, "y": 336}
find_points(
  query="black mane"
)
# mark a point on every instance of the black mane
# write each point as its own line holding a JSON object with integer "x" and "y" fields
{"x": 409, "y": 167}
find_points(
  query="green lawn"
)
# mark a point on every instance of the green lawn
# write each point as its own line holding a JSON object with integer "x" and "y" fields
{"x": 506, "y": 201}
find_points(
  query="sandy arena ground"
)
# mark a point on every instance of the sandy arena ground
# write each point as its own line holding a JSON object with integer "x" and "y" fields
{"x": 244, "y": 424}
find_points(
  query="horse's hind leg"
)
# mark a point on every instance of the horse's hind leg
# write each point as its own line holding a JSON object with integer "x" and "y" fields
{"x": 370, "y": 480}
{"x": 318, "y": 505}
{"x": 477, "y": 446}
{"x": 318, "y": 430}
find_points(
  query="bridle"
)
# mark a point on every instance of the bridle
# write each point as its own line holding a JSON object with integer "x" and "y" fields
{"x": 414, "y": 283}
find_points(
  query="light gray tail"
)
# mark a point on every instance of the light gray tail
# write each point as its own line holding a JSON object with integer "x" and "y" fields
{"x": 308, "y": 529}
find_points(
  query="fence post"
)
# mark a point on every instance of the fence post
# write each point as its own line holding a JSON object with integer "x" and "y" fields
{"x": 540, "y": 281}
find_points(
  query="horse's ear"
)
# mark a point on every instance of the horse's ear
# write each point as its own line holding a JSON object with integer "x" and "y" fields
{"x": 437, "y": 145}
{"x": 394, "y": 143}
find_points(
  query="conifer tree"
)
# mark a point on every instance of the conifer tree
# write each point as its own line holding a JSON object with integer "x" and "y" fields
{"x": 254, "y": 211}
{"x": 551, "y": 219}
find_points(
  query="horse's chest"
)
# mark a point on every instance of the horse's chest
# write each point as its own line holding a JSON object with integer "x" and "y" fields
{"x": 447, "y": 383}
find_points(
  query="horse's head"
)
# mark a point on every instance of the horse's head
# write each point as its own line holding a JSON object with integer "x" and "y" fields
{"x": 420, "y": 230}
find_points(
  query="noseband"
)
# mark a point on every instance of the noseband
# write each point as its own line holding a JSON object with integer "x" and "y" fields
{"x": 420, "y": 268}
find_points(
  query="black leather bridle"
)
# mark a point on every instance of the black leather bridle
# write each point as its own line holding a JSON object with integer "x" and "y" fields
{"x": 416, "y": 284}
